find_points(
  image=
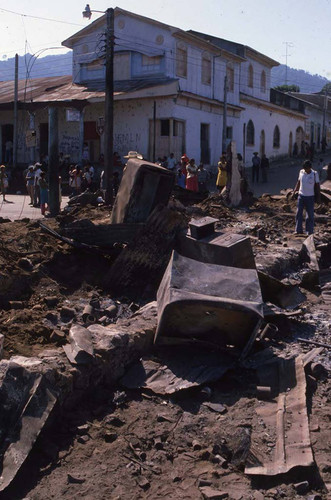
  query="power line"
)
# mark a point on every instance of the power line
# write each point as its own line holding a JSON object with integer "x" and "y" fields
{"x": 41, "y": 18}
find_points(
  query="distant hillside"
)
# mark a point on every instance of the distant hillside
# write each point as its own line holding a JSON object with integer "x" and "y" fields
{"x": 57, "y": 65}
{"x": 308, "y": 83}
{"x": 60, "y": 65}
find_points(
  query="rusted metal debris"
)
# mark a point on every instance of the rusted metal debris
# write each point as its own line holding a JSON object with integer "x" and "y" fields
{"x": 144, "y": 185}
{"x": 221, "y": 304}
{"x": 177, "y": 370}
{"x": 284, "y": 418}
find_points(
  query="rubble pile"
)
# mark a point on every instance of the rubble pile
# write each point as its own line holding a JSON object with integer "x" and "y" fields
{"x": 183, "y": 354}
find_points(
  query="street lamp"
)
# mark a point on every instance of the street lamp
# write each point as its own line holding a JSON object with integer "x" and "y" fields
{"x": 109, "y": 99}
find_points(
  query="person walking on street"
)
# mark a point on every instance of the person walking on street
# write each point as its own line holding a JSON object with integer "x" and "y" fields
{"x": 264, "y": 168}
{"x": 3, "y": 182}
{"x": 307, "y": 180}
{"x": 256, "y": 162}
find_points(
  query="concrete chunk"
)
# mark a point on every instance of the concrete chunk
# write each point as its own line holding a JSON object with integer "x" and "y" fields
{"x": 80, "y": 351}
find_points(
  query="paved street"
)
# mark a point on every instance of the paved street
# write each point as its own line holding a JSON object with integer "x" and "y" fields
{"x": 280, "y": 176}
{"x": 17, "y": 207}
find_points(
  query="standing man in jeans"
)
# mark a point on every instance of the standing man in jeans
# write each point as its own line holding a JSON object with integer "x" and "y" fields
{"x": 306, "y": 187}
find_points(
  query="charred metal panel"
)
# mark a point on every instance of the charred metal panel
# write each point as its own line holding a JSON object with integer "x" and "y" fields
{"x": 144, "y": 185}
{"x": 226, "y": 249}
{"x": 220, "y": 304}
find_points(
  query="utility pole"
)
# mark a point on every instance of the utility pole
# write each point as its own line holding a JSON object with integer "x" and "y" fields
{"x": 53, "y": 161}
{"x": 15, "y": 113}
{"x": 225, "y": 111}
{"x": 109, "y": 107}
{"x": 109, "y": 99}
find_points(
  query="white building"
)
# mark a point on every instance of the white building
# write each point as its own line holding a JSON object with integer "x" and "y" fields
{"x": 168, "y": 97}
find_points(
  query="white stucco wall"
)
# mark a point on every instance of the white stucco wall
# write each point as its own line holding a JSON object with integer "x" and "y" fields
{"x": 264, "y": 119}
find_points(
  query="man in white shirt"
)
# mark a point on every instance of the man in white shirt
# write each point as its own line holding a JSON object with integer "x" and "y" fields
{"x": 171, "y": 162}
{"x": 307, "y": 180}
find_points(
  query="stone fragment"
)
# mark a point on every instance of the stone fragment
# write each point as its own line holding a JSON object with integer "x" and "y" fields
{"x": 83, "y": 439}
{"x": 75, "y": 479}
{"x": 143, "y": 482}
{"x": 212, "y": 494}
{"x": 67, "y": 313}
{"x": 110, "y": 437}
{"x": 204, "y": 482}
{"x": 58, "y": 336}
{"x": 83, "y": 429}
{"x": 51, "y": 301}
{"x": 80, "y": 350}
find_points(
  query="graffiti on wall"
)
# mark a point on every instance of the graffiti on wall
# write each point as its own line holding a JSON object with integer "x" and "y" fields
{"x": 127, "y": 142}
{"x": 69, "y": 144}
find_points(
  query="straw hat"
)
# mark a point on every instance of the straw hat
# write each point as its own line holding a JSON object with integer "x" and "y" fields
{"x": 134, "y": 154}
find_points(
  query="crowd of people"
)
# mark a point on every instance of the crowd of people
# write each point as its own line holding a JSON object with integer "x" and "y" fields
{"x": 188, "y": 175}
{"x": 83, "y": 176}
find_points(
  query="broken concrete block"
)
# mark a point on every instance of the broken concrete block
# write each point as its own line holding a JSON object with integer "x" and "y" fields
{"x": 226, "y": 249}
{"x": 80, "y": 351}
{"x": 210, "y": 493}
{"x": 29, "y": 402}
{"x": 144, "y": 185}
{"x": 219, "y": 304}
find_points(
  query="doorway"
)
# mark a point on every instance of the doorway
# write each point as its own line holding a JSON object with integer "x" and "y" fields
{"x": 7, "y": 134}
{"x": 204, "y": 144}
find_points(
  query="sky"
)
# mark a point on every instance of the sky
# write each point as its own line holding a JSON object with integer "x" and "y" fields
{"x": 300, "y": 28}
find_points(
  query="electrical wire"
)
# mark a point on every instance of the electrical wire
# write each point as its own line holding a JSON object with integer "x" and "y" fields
{"x": 39, "y": 17}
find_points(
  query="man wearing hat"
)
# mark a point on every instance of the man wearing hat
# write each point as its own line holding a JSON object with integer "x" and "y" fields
{"x": 133, "y": 154}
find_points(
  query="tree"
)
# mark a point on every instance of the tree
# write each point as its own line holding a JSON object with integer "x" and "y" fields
{"x": 327, "y": 88}
{"x": 288, "y": 88}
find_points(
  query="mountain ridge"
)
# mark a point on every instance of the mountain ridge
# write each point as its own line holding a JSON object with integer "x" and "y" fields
{"x": 61, "y": 64}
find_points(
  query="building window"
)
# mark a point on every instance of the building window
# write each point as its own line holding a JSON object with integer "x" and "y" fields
{"x": 276, "y": 140}
{"x": 263, "y": 82}
{"x": 206, "y": 69}
{"x": 250, "y": 139}
{"x": 181, "y": 61}
{"x": 250, "y": 78}
{"x": 165, "y": 127}
{"x": 229, "y": 133}
{"x": 230, "y": 77}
